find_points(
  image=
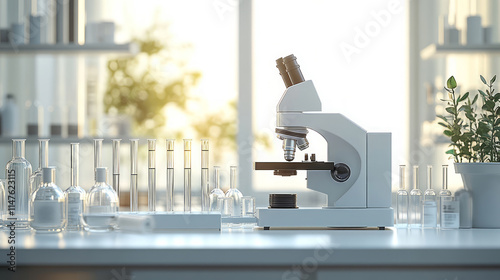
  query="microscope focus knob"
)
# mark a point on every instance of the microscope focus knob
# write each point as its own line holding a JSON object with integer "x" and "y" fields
{"x": 341, "y": 173}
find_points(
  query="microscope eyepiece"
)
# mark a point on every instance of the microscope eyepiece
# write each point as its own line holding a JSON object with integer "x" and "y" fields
{"x": 284, "y": 75}
{"x": 293, "y": 69}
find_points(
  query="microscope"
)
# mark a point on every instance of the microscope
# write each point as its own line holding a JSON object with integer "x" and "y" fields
{"x": 356, "y": 176}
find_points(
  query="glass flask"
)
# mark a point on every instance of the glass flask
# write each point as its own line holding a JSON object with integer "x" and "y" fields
{"x": 18, "y": 172}
{"x": 444, "y": 194}
{"x": 47, "y": 204}
{"x": 402, "y": 200}
{"x": 415, "y": 220}
{"x": 43, "y": 161}
{"x": 216, "y": 192}
{"x": 429, "y": 203}
{"x": 234, "y": 192}
{"x": 101, "y": 204}
{"x": 75, "y": 195}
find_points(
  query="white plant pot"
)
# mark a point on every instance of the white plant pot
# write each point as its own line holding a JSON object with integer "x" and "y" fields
{"x": 483, "y": 181}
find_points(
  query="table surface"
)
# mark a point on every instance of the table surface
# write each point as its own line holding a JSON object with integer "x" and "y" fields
{"x": 258, "y": 247}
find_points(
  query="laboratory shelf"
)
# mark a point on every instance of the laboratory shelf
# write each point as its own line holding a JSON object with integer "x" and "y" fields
{"x": 250, "y": 253}
{"x": 58, "y": 49}
{"x": 435, "y": 50}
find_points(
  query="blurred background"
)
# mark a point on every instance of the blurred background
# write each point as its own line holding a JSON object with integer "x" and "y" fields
{"x": 206, "y": 69}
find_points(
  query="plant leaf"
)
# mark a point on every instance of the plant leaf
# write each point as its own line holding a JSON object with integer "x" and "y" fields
{"x": 475, "y": 99}
{"x": 450, "y": 110}
{"x": 451, "y": 83}
{"x": 482, "y": 93}
{"x": 451, "y": 152}
{"x": 460, "y": 99}
{"x": 448, "y": 133}
{"x": 445, "y": 124}
{"x": 493, "y": 79}
{"x": 483, "y": 79}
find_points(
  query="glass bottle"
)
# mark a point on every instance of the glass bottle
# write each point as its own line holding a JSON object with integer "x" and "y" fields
{"x": 75, "y": 195}
{"x": 18, "y": 172}
{"x": 415, "y": 202}
{"x": 47, "y": 204}
{"x": 216, "y": 192}
{"x": 429, "y": 203}
{"x": 402, "y": 200}
{"x": 444, "y": 194}
{"x": 43, "y": 161}
{"x": 101, "y": 204}
{"x": 234, "y": 192}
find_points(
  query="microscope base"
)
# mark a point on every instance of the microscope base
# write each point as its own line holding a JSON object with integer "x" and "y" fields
{"x": 325, "y": 218}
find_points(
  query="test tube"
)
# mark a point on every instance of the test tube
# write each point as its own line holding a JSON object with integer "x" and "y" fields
{"x": 116, "y": 167}
{"x": 187, "y": 175}
{"x": 75, "y": 161}
{"x": 205, "y": 202}
{"x": 170, "y": 175}
{"x": 97, "y": 154}
{"x": 134, "y": 195}
{"x": 152, "y": 175}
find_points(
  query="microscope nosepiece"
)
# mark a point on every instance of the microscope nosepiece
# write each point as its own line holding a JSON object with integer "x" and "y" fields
{"x": 289, "y": 149}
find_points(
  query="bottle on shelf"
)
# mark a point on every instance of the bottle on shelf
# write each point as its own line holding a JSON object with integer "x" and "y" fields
{"x": 10, "y": 117}
{"x": 234, "y": 192}
{"x": 18, "y": 172}
{"x": 429, "y": 203}
{"x": 402, "y": 200}
{"x": 415, "y": 220}
{"x": 444, "y": 194}
{"x": 101, "y": 204}
{"x": 75, "y": 195}
{"x": 47, "y": 204}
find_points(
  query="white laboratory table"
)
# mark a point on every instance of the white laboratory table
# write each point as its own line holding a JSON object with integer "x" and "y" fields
{"x": 257, "y": 254}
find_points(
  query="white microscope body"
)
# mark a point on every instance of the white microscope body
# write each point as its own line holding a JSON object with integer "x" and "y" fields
{"x": 359, "y": 198}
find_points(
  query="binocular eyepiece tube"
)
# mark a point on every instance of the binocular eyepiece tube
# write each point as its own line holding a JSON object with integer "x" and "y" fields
{"x": 290, "y": 70}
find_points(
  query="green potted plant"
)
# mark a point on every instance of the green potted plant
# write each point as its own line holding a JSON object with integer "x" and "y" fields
{"x": 473, "y": 125}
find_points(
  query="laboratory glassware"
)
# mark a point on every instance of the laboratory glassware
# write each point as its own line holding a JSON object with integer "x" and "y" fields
{"x": 402, "y": 200}
{"x": 444, "y": 193}
{"x": 18, "y": 172}
{"x": 216, "y": 192}
{"x": 226, "y": 206}
{"x": 101, "y": 204}
{"x": 97, "y": 154}
{"x": 2, "y": 201}
{"x": 187, "y": 175}
{"x": 43, "y": 161}
{"x": 248, "y": 206}
{"x": 134, "y": 193}
{"x": 429, "y": 203}
{"x": 464, "y": 199}
{"x": 234, "y": 192}
{"x": 75, "y": 195}
{"x": 415, "y": 202}
{"x": 205, "y": 200}
{"x": 170, "y": 175}
{"x": 47, "y": 204}
{"x": 450, "y": 215}
{"x": 152, "y": 175}
{"x": 116, "y": 167}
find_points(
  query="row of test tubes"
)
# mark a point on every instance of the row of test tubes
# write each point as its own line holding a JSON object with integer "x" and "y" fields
{"x": 134, "y": 193}
{"x": 428, "y": 209}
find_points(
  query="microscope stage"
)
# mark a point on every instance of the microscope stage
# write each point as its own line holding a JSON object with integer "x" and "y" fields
{"x": 327, "y": 218}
